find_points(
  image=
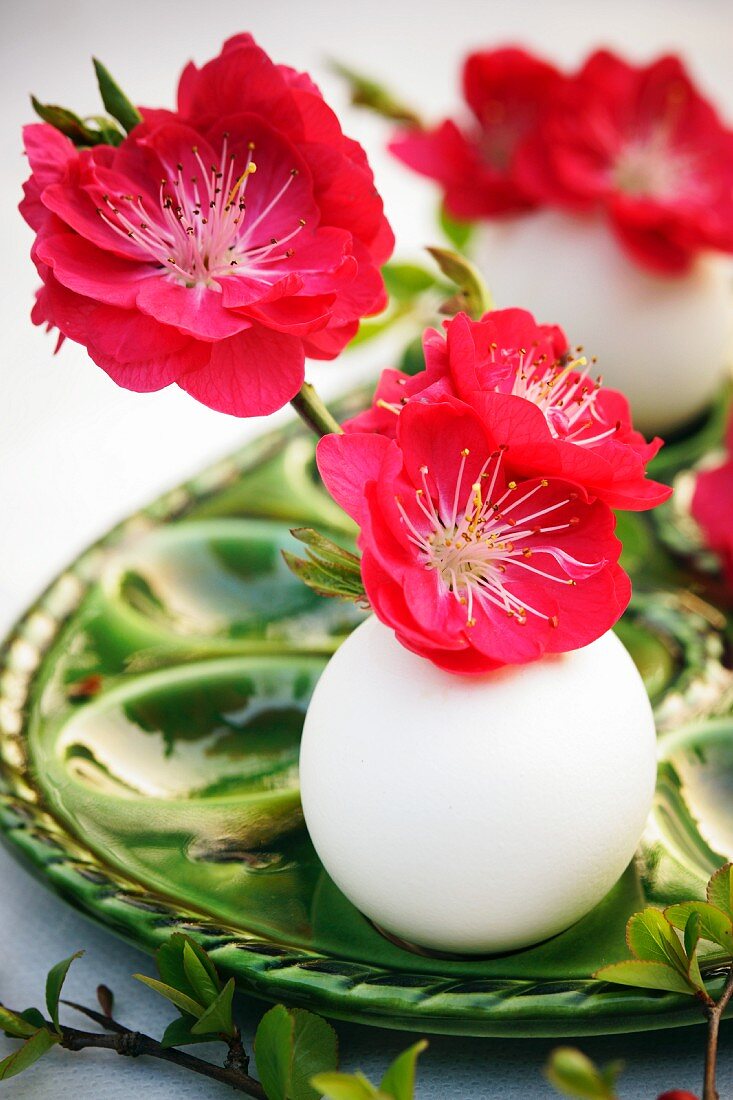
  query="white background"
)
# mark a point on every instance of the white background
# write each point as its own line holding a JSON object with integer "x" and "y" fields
{"x": 77, "y": 453}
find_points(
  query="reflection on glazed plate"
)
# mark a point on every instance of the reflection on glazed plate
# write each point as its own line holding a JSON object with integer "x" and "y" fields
{"x": 151, "y": 705}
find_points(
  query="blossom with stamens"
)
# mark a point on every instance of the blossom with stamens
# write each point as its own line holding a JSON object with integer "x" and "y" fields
{"x": 643, "y": 145}
{"x": 219, "y": 244}
{"x": 472, "y": 563}
{"x": 571, "y": 425}
{"x": 474, "y": 161}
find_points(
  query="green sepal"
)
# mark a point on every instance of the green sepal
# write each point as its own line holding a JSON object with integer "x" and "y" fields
{"x": 15, "y": 1025}
{"x": 328, "y": 569}
{"x": 366, "y": 92}
{"x": 33, "y": 1049}
{"x": 291, "y": 1047}
{"x": 473, "y": 295}
{"x": 175, "y": 996}
{"x": 115, "y": 100}
{"x": 399, "y": 1080}
{"x": 574, "y": 1074}
{"x": 217, "y": 1019}
{"x": 646, "y": 975}
{"x": 54, "y": 985}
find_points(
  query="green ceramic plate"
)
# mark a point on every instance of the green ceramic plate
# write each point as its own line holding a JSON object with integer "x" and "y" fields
{"x": 151, "y": 704}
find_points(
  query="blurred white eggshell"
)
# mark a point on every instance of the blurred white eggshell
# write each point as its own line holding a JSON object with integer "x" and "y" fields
{"x": 666, "y": 341}
{"x": 476, "y": 815}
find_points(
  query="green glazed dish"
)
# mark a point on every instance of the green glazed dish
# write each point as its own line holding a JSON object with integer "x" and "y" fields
{"x": 151, "y": 705}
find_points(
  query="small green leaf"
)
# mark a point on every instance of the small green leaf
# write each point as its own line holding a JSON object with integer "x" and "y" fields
{"x": 328, "y": 569}
{"x": 413, "y": 357}
{"x": 651, "y": 938}
{"x": 33, "y": 1049}
{"x": 473, "y": 296}
{"x": 12, "y": 1023}
{"x": 205, "y": 985}
{"x": 458, "y": 232}
{"x": 715, "y": 926}
{"x": 179, "y": 1033}
{"x": 54, "y": 984}
{"x": 69, "y": 124}
{"x": 175, "y": 996}
{"x": 368, "y": 93}
{"x": 573, "y": 1074}
{"x": 345, "y": 1086}
{"x": 291, "y": 1046}
{"x": 720, "y": 890}
{"x": 646, "y": 975}
{"x": 115, "y": 100}
{"x": 399, "y": 1080}
{"x": 406, "y": 281}
{"x": 33, "y": 1016}
{"x": 217, "y": 1019}
{"x": 691, "y": 939}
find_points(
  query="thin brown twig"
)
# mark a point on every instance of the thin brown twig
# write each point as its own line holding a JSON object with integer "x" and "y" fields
{"x": 714, "y": 1014}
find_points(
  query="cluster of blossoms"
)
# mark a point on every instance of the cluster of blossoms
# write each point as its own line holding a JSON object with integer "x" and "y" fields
{"x": 219, "y": 244}
{"x": 712, "y": 507}
{"x": 640, "y": 144}
{"x": 483, "y": 490}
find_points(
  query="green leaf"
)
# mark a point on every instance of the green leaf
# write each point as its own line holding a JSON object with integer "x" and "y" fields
{"x": 12, "y": 1023}
{"x": 54, "y": 984}
{"x": 366, "y": 92}
{"x": 646, "y": 975}
{"x": 217, "y": 1019}
{"x": 406, "y": 281}
{"x": 328, "y": 569}
{"x": 573, "y": 1074}
{"x": 399, "y": 1080}
{"x": 345, "y": 1086}
{"x": 69, "y": 124}
{"x": 175, "y": 996}
{"x": 473, "y": 296}
{"x": 33, "y": 1016}
{"x": 458, "y": 232}
{"x": 205, "y": 984}
{"x": 691, "y": 940}
{"x": 179, "y": 1033}
{"x": 651, "y": 938}
{"x": 33, "y": 1049}
{"x": 720, "y": 890}
{"x": 413, "y": 357}
{"x": 115, "y": 100}
{"x": 715, "y": 926}
{"x": 291, "y": 1046}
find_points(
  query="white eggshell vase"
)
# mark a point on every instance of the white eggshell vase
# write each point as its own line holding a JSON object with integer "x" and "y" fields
{"x": 665, "y": 340}
{"x": 476, "y": 815}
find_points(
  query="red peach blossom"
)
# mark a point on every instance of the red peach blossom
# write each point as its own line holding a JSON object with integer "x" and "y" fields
{"x": 507, "y": 356}
{"x": 505, "y": 90}
{"x": 641, "y": 143}
{"x": 219, "y": 244}
{"x": 712, "y": 507}
{"x": 471, "y": 564}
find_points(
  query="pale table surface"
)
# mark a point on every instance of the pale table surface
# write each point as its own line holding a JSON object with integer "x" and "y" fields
{"x": 77, "y": 454}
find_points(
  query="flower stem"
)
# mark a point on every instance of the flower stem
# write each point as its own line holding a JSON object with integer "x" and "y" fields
{"x": 714, "y": 1015}
{"x": 311, "y": 409}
